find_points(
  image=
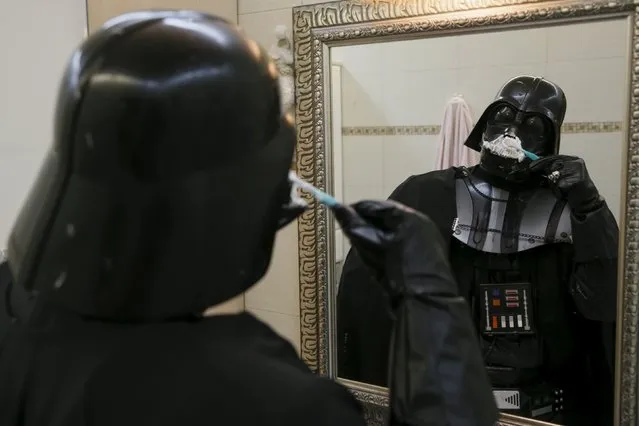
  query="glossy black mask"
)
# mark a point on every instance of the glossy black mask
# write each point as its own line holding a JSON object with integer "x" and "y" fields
{"x": 530, "y": 107}
{"x": 531, "y": 130}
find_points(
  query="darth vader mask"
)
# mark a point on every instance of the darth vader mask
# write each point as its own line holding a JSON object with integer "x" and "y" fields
{"x": 509, "y": 132}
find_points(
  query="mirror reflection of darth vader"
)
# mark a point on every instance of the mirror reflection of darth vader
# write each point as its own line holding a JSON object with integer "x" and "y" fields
{"x": 534, "y": 247}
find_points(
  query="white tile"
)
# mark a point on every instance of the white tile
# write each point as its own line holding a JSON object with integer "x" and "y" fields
{"x": 252, "y": 6}
{"x": 361, "y": 57}
{"x": 18, "y": 171}
{"x": 595, "y": 89}
{"x": 480, "y": 85}
{"x": 261, "y": 26}
{"x": 422, "y": 54}
{"x": 353, "y": 193}
{"x": 279, "y": 289}
{"x": 362, "y": 160}
{"x": 287, "y": 326}
{"x": 362, "y": 98}
{"x": 418, "y": 97}
{"x": 503, "y": 47}
{"x": 405, "y": 156}
{"x": 605, "y": 157}
{"x": 589, "y": 40}
{"x": 362, "y": 102}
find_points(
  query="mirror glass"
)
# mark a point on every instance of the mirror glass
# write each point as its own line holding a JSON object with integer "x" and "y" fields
{"x": 541, "y": 290}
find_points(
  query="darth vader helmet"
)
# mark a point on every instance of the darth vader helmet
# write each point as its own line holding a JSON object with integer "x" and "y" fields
{"x": 167, "y": 179}
{"x": 528, "y": 111}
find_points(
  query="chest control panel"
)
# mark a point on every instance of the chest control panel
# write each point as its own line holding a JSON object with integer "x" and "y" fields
{"x": 506, "y": 309}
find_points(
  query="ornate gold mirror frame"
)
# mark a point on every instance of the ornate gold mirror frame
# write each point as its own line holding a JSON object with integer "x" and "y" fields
{"x": 321, "y": 26}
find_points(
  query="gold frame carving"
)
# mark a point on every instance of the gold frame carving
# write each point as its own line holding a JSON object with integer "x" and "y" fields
{"x": 320, "y": 26}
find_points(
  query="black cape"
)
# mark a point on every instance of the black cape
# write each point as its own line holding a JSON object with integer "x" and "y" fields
{"x": 223, "y": 370}
{"x": 363, "y": 317}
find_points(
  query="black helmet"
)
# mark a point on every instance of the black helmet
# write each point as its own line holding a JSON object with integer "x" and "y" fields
{"x": 167, "y": 177}
{"x": 527, "y": 96}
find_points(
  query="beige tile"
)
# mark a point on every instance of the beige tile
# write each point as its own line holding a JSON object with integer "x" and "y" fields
{"x": 34, "y": 57}
{"x": 363, "y": 159}
{"x": 100, "y": 10}
{"x": 418, "y": 97}
{"x": 596, "y": 89}
{"x": 313, "y": 1}
{"x": 287, "y": 326}
{"x": 233, "y": 306}
{"x": 361, "y": 95}
{"x": 252, "y": 6}
{"x": 503, "y": 47}
{"x": 279, "y": 290}
{"x": 405, "y": 156}
{"x": 422, "y": 54}
{"x": 480, "y": 85}
{"x": 362, "y": 98}
{"x": 18, "y": 171}
{"x": 589, "y": 40}
{"x": 355, "y": 193}
{"x": 261, "y": 26}
{"x": 359, "y": 57}
{"x": 339, "y": 246}
{"x": 604, "y": 154}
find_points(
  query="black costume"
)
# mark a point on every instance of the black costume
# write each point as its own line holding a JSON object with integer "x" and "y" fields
{"x": 534, "y": 252}
{"x": 160, "y": 197}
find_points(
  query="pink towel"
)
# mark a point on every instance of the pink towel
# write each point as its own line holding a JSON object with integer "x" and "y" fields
{"x": 457, "y": 125}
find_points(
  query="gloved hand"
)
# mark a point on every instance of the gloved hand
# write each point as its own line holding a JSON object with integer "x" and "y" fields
{"x": 569, "y": 179}
{"x": 403, "y": 248}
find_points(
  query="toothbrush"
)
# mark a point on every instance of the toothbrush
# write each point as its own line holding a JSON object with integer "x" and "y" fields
{"x": 530, "y": 155}
{"x": 319, "y": 195}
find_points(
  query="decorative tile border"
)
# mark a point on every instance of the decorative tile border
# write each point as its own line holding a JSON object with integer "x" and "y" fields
{"x": 433, "y": 129}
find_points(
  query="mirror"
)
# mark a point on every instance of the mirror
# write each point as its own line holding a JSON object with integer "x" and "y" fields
{"x": 390, "y": 104}
{"x": 406, "y": 108}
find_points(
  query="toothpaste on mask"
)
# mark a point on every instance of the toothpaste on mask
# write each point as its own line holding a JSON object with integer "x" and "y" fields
{"x": 508, "y": 147}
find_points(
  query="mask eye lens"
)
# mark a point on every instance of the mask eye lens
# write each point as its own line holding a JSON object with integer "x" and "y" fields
{"x": 504, "y": 114}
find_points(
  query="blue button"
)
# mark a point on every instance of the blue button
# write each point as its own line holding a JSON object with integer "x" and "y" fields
{"x": 495, "y": 292}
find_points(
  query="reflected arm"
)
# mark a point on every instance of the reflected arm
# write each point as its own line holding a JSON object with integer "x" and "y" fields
{"x": 363, "y": 325}
{"x": 437, "y": 376}
{"x": 593, "y": 284}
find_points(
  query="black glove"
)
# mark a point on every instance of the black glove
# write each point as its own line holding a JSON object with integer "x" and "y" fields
{"x": 400, "y": 246}
{"x": 570, "y": 180}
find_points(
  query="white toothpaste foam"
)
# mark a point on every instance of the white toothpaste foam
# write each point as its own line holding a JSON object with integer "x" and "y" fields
{"x": 505, "y": 147}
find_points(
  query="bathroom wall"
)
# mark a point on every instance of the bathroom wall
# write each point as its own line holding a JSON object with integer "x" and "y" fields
{"x": 102, "y": 10}
{"x": 276, "y": 299}
{"x": 394, "y": 95}
{"x": 36, "y": 39}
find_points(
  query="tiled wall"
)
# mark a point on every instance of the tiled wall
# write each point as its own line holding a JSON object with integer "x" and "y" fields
{"x": 102, "y": 10}
{"x": 36, "y": 39}
{"x": 394, "y": 95}
{"x": 276, "y": 299}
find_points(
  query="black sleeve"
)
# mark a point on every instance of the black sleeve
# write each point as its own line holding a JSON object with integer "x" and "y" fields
{"x": 594, "y": 279}
{"x": 363, "y": 314}
{"x": 363, "y": 325}
{"x": 438, "y": 375}
{"x": 5, "y": 317}
{"x": 437, "y": 371}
